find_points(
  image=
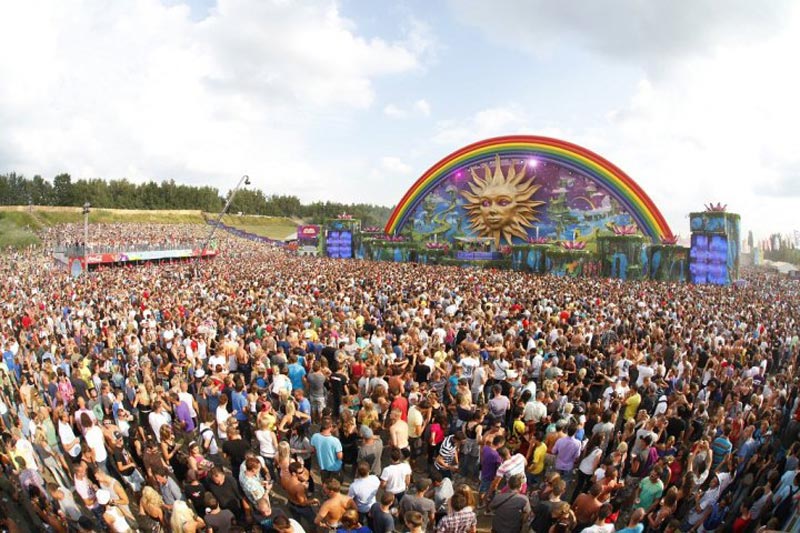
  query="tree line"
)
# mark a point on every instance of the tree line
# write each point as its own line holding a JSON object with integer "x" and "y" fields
{"x": 16, "y": 189}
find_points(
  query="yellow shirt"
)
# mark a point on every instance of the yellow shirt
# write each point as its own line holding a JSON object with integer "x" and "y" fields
{"x": 632, "y": 406}
{"x": 537, "y": 461}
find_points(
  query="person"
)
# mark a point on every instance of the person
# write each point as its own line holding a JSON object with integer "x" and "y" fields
{"x": 512, "y": 465}
{"x": 490, "y": 462}
{"x": 283, "y": 524}
{"x": 649, "y": 491}
{"x": 226, "y": 490}
{"x": 511, "y": 510}
{"x": 115, "y": 519}
{"x": 351, "y": 523}
{"x": 543, "y": 512}
{"x": 364, "y": 489}
{"x": 216, "y": 518}
{"x": 396, "y": 477}
{"x": 459, "y": 519}
{"x": 587, "y": 505}
{"x": 419, "y": 502}
{"x": 601, "y": 524}
{"x": 296, "y": 487}
{"x": 413, "y": 521}
{"x": 447, "y": 460}
{"x": 184, "y": 520}
{"x": 566, "y": 451}
{"x": 254, "y": 487}
{"x": 381, "y": 519}
{"x": 151, "y": 510}
{"x": 635, "y": 524}
{"x": 333, "y": 508}
{"x": 328, "y": 450}
{"x": 371, "y": 450}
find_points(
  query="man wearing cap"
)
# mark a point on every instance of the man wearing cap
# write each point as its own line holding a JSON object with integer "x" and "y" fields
{"x": 371, "y": 450}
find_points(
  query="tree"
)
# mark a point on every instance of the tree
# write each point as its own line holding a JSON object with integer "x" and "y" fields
{"x": 62, "y": 190}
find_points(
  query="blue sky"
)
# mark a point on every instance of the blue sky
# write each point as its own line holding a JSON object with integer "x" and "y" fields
{"x": 353, "y": 100}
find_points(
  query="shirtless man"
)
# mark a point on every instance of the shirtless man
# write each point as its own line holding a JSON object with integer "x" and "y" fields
{"x": 295, "y": 485}
{"x": 330, "y": 513}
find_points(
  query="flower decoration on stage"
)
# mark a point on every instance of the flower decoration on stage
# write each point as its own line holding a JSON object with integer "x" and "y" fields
{"x": 716, "y": 208}
{"x": 628, "y": 229}
{"x": 345, "y": 216}
{"x": 371, "y": 229}
{"x": 671, "y": 240}
{"x": 437, "y": 246}
{"x": 393, "y": 238}
{"x": 573, "y": 245}
{"x": 538, "y": 240}
{"x": 501, "y": 206}
{"x": 505, "y": 250}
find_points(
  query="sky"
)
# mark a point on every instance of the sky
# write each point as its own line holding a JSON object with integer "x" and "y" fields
{"x": 353, "y": 100}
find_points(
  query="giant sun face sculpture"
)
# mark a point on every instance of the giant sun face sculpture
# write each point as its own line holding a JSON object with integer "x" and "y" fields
{"x": 501, "y": 206}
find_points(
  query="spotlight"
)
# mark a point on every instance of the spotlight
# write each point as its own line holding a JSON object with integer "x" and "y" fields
{"x": 532, "y": 163}
{"x": 247, "y": 180}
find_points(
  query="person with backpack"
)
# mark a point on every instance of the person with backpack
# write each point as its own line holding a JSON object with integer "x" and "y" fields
{"x": 208, "y": 441}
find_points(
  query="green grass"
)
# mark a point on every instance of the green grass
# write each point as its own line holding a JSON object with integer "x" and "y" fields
{"x": 50, "y": 216}
{"x": 16, "y": 231}
{"x": 271, "y": 227}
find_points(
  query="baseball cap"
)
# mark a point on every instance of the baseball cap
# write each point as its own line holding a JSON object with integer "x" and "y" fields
{"x": 199, "y": 373}
{"x": 366, "y": 432}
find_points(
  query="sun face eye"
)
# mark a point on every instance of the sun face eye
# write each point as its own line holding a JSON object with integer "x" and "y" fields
{"x": 486, "y": 203}
{"x": 505, "y": 202}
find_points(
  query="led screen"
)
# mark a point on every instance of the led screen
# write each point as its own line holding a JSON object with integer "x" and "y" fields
{"x": 709, "y": 259}
{"x": 339, "y": 244}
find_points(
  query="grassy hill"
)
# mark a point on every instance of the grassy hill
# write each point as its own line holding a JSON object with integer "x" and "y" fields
{"x": 18, "y": 224}
{"x": 272, "y": 227}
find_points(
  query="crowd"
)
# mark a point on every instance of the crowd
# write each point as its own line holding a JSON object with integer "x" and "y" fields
{"x": 119, "y": 237}
{"x": 271, "y": 392}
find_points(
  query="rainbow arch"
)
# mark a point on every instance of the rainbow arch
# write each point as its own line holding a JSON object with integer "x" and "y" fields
{"x": 618, "y": 184}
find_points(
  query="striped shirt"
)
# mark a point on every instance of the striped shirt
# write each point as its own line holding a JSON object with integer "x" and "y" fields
{"x": 448, "y": 450}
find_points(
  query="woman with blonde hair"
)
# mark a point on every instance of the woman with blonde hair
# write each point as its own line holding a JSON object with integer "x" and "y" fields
{"x": 282, "y": 461}
{"x": 151, "y": 509}
{"x": 184, "y": 520}
{"x": 368, "y": 415}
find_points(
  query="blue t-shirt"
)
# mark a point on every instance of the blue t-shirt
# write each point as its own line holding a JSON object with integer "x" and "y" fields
{"x": 638, "y": 528}
{"x": 239, "y": 404}
{"x": 296, "y": 373}
{"x": 327, "y": 448}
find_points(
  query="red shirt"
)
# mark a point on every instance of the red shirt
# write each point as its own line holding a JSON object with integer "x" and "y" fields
{"x": 401, "y": 404}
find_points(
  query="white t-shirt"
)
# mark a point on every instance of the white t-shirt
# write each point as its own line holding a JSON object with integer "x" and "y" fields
{"x": 188, "y": 399}
{"x": 156, "y": 421}
{"x": 395, "y": 477}
{"x": 94, "y": 438}
{"x": 644, "y": 372}
{"x": 222, "y": 419}
{"x": 363, "y": 491}
{"x": 66, "y": 435}
{"x": 266, "y": 445}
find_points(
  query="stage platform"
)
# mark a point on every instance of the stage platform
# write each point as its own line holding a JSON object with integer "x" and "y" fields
{"x": 77, "y": 261}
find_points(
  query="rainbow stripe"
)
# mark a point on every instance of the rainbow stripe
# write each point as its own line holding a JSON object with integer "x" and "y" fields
{"x": 613, "y": 180}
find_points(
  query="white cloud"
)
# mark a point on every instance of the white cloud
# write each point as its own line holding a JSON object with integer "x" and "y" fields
{"x": 423, "y": 107}
{"x": 643, "y": 31}
{"x": 420, "y": 108}
{"x": 394, "y": 165}
{"x": 511, "y": 119}
{"x": 393, "y": 111}
{"x": 140, "y": 89}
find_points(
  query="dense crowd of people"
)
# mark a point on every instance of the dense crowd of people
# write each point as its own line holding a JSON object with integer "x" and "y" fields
{"x": 119, "y": 237}
{"x": 265, "y": 391}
